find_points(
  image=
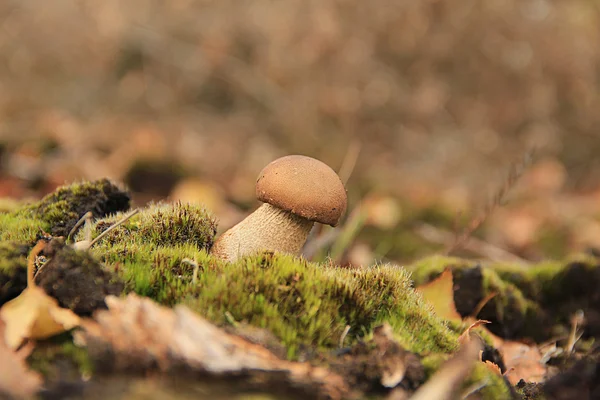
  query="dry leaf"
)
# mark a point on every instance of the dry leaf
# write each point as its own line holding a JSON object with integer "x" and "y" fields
{"x": 466, "y": 335}
{"x": 34, "y": 314}
{"x": 440, "y": 294}
{"x": 16, "y": 380}
{"x": 522, "y": 362}
{"x": 136, "y": 333}
{"x": 493, "y": 367}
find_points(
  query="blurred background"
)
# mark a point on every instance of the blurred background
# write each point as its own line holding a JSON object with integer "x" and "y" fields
{"x": 422, "y": 106}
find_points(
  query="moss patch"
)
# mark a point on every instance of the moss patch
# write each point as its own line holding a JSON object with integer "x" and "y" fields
{"x": 306, "y": 305}
{"x": 161, "y": 224}
{"x": 58, "y": 212}
{"x": 309, "y": 305}
{"x": 75, "y": 279}
{"x": 532, "y": 301}
{"x": 13, "y": 270}
{"x": 59, "y": 359}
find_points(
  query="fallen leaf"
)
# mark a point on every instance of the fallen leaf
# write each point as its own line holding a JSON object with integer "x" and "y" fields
{"x": 493, "y": 367}
{"x": 440, "y": 294}
{"x": 522, "y": 362}
{"x": 16, "y": 380}
{"x": 466, "y": 335}
{"x": 34, "y": 314}
{"x": 136, "y": 333}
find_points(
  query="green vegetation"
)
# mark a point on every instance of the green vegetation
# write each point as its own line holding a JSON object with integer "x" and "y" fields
{"x": 163, "y": 253}
{"x": 59, "y": 358}
{"x": 13, "y": 270}
{"x": 159, "y": 225}
{"x": 303, "y": 304}
{"x": 58, "y": 212}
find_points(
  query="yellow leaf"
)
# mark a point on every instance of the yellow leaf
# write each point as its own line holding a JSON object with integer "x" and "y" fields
{"x": 440, "y": 294}
{"x": 34, "y": 314}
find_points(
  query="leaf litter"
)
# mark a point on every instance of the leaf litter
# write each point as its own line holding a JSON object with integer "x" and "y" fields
{"x": 34, "y": 314}
{"x": 523, "y": 362}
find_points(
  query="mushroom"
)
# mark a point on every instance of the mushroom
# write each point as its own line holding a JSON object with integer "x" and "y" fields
{"x": 297, "y": 191}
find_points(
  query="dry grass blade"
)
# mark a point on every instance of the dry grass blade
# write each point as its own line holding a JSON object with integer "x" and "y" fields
{"x": 515, "y": 173}
{"x": 445, "y": 381}
{"x": 436, "y": 235}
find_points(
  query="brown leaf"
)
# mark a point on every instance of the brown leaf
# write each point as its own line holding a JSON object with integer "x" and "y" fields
{"x": 16, "y": 380}
{"x": 522, "y": 362}
{"x": 466, "y": 335}
{"x": 493, "y": 367}
{"x": 34, "y": 314}
{"x": 136, "y": 333}
{"x": 440, "y": 294}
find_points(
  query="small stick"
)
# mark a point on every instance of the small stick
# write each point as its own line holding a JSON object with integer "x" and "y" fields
{"x": 515, "y": 173}
{"x": 85, "y": 217}
{"x": 194, "y": 264}
{"x": 577, "y": 319}
{"x": 39, "y": 246}
{"x": 495, "y": 253}
{"x": 120, "y": 222}
{"x": 86, "y": 244}
{"x": 344, "y": 334}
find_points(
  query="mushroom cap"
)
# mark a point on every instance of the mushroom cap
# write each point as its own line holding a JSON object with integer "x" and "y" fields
{"x": 303, "y": 186}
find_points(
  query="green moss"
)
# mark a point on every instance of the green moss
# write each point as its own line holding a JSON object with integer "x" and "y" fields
{"x": 532, "y": 301}
{"x": 162, "y": 224}
{"x": 59, "y": 359}
{"x": 13, "y": 270}
{"x": 493, "y": 386}
{"x": 303, "y": 304}
{"x": 306, "y": 304}
{"x": 20, "y": 227}
{"x": 425, "y": 269}
{"x": 59, "y": 211}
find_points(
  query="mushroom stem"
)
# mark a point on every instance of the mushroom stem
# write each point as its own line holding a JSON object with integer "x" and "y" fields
{"x": 267, "y": 228}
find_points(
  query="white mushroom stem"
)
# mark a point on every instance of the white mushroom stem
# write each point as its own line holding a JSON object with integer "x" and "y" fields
{"x": 267, "y": 228}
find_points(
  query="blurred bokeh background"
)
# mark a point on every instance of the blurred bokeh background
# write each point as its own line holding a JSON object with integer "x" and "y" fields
{"x": 423, "y": 106}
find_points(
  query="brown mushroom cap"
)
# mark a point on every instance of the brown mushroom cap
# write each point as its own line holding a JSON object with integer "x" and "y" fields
{"x": 303, "y": 186}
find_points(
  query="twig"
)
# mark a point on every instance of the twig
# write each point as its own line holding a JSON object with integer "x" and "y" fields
{"x": 194, "y": 265}
{"x": 482, "y": 303}
{"x": 576, "y": 320}
{"x": 84, "y": 218}
{"x": 39, "y": 246}
{"x": 344, "y": 334}
{"x": 115, "y": 225}
{"x": 494, "y": 253}
{"x": 516, "y": 171}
